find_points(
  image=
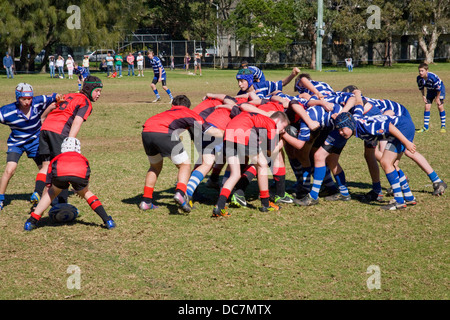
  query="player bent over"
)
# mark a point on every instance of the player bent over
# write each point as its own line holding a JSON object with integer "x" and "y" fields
{"x": 400, "y": 134}
{"x": 68, "y": 168}
{"x": 244, "y": 136}
{"x": 160, "y": 138}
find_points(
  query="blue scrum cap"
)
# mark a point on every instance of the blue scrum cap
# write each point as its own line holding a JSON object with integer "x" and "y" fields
{"x": 345, "y": 120}
{"x": 245, "y": 74}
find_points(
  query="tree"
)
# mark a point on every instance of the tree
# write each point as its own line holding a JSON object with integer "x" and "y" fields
{"x": 264, "y": 23}
{"x": 429, "y": 19}
{"x": 40, "y": 24}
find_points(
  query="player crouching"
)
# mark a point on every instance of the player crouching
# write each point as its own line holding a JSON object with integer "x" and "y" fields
{"x": 68, "y": 168}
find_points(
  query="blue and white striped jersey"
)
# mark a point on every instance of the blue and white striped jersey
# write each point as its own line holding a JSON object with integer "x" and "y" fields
{"x": 433, "y": 82}
{"x": 25, "y": 129}
{"x": 319, "y": 114}
{"x": 264, "y": 89}
{"x": 323, "y": 87}
{"x": 156, "y": 64}
{"x": 257, "y": 74}
{"x": 385, "y": 105}
{"x": 372, "y": 128}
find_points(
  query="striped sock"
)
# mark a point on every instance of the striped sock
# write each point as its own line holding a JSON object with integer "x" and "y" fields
{"x": 306, "y": 178}
{"x": 434, "y": 177}
{"x": 442, "y": 115}
{"x": 194, "y": 181}
{"x": 319, "y": 174}
{"x": 426, "y": 119}
{"x": 156, "y": 93}
{"x": 393, "y": 179}
{"x": 169, "y": 93}
{"x": 340, "y": 180}
{"x": 405, "y": 186}
{"x": 328, "y": 180}
{"x": 98, "y": 208}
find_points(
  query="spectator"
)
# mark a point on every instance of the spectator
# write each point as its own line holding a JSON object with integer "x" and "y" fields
{"x": 130, "y": 61}
{"x": 140, "y": 64}
{"x": 187, "y": 58}
{"x": 8, "y": 64}
{"x": 349, "y": 64}
{"x": 103, "y": 67}
{"x": 118, "y": 62}
{"x": 69, "y": 65}
{"x": 60, "y": 66}
{"x": 172, "y": 63}
{"x": 51, "y": 66}
{"x": 198, "y": 63}
{"x": 86, "y": 63}
{"x": 109, "y": 63}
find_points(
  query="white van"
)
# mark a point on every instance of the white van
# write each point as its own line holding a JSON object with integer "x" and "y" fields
{"x": 100, "y": 54}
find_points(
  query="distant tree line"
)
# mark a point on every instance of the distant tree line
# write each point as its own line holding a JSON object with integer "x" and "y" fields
{"x": 271, "y": 26}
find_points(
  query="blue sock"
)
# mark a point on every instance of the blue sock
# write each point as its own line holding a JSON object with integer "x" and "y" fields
{"x": 319, "y": 174}
{"x": 426, "y": 119}
{"x": 306, "y": 178}
{"x": 169, "y": 93}
{"x": 79, "y": 87}
{"x": 156, "y": 93}
{"x": 394, "y": 181}
{"x": 340, "y": 180}
{"x": 2, "y": 197}
{"x": 405, "y": 186}
{"x": 376, "y": 186}
{"x": 442, "y": 115}
{"x": 194, "y": 181}
{"x": 434, "y": 177}
{"x": 328, "y": 180}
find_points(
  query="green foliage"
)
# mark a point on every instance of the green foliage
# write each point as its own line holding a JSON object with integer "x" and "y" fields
{"x": 266, "y": 24}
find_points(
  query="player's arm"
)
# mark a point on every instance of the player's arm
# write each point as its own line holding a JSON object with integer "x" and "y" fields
{"x": 327, "y": 106}
{"x": 298, "y": 109}
{"x": 76, "y": 126}
{"x": 411, "y": 147}
{"x": 49, "y": 109}
{"x": 218, "y": 96}
{"x": 247, "y": 107}
{"x": 308, "y": 85}
{"x": 293, "y": 141}
{"x": 160, "y": 74}
{"x": 294, "y": 73}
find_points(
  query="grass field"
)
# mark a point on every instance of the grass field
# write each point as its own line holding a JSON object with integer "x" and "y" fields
{"x": 320, "y": 252}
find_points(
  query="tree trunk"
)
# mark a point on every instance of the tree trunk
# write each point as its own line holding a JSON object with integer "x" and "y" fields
{"x": 431, "y": 47}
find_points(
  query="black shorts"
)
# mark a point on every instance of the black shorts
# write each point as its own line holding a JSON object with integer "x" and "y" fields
{"x": 77, "y": 183}
{"x": 240, "y": 150}
{"x": 320, "y": 137}
{"x": 161, "y": 143}
{"x": 155, "y": 81}
{"x": 50, "y": 144}
{"x": 15, "y": 157}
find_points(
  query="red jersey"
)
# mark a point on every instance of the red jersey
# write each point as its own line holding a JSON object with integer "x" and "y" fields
{"x": 271, "y": 106}
{"x": 178, "y": 117}
{"x": 71, "y": 164}
{"x": 61, "y": 118}
{"x": 206, "y": 107}
{"x": 242, "y": 126}
{"x": 219, "y": 118}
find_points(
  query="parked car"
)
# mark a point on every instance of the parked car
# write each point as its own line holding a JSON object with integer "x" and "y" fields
{"x": 99, "y": 54}
{"x": 210, "y": 52}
